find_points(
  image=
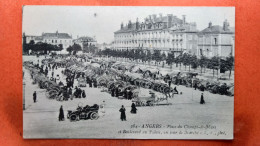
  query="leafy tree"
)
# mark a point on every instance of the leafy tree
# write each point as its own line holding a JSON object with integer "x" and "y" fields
{"x": 193, "y": 62}
{"x": 202, "y": 62}
{"x": 185, "y": 59}
{"x": 214, "y": 64}
{"x": 69, "y": 49}
{"x": 148, "y": 56}
{"x": 170, "y": 58}
{"x": 157, "y": 56}
{"x": 74, "y": 48}
{"x": 230, "y": 64}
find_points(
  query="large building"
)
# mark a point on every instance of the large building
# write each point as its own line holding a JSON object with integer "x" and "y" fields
{"x": 86, "y": 42}
{"x": 165, "y": 33}
{"x": 216, "y": 40}
{"x": 51, "y": 38}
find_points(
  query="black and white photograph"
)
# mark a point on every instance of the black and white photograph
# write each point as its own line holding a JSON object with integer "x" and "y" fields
{"x": 128, "y": 72}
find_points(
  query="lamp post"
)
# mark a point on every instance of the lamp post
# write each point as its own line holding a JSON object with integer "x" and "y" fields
{"x": 192, "y": 81}
{"x": 24, "y": 95}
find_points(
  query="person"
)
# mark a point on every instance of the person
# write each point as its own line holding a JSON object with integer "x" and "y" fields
{"x": 170, "y": 82}
{"x": 79, "y": 93}
{"x": 58, "y": 78}
{"x": 70, "y": 93}
{"x": 202, "y": 88}
{"x": 130, "y": 95}
{"x": 195, "y": 85}
{"x": 61, "y": 115}
{"x": 90, "y": 83}
{"x": 95, "y": 83}
{"x": 175, "y": 89}
{"x": 123, "y": 116}
{"x": 34, "y": 96}
{"x": 117, "y": 92}
{"x": 46, "y": 71}
{"x": 133, "y": 108}
{"x": 113, "y": 92}
{"x": 125, "y": 94}
{"x": 202, "y": 101}
{"x": 102, "y": 108}
{"x": 83, "y": 94}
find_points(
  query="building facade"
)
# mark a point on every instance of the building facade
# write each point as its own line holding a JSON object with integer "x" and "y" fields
{"x": 85, "y": 42}
{"x": 164, "y": 33}
{"x": 51, "y": 38}
{"x": 216, "y": 40}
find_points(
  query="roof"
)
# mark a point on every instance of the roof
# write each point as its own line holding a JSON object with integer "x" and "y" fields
{"x": 38, "y": 38}
{"x": 160, "y": 19}
{"x": 56, "y": 35}
{"x": 85, "y": 38}
{"x": 184, "y": 28}
{"x": 217, "y": 29}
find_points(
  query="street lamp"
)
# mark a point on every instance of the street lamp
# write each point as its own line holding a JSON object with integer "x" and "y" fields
{"x": 24, "y": 95}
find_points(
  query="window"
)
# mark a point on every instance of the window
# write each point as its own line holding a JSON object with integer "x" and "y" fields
{"x": 215, "y": 41}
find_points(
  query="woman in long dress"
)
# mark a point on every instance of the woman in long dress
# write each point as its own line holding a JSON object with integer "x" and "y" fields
{"x": 61, "y": 115}
{"x": 133, "y": 108}
{"x": 123, "y": 116}
{"x": 202, "y": 101}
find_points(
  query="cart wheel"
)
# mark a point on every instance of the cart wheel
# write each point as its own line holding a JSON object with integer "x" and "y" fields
{"x": 73, "y": 118}
{"x": 94, "y": 116}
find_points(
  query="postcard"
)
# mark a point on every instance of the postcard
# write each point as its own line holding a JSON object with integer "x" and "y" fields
{"x": 128, "y": 72}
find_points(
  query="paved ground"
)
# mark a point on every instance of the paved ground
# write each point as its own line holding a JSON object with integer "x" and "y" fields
{"x": 41, "y": 118}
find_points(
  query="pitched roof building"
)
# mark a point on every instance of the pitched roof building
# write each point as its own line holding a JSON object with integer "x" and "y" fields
{"x": 216, "y": 40}
{"x": 51, "y": 38}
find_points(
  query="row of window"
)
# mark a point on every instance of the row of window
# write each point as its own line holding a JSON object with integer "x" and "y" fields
{"x": 208, "y": 40}
{"x": 139, "y": 34}
{"x": 57, "y": 41}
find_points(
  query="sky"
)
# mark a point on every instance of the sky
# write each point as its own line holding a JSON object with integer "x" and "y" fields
{"x": 102, "y": 21}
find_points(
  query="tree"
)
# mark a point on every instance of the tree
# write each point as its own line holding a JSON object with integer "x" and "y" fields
{"x": 214, "y": 64}
{"x": 193, "y": 62}
{"x": 157, "y": 56}
{"x": 149, "y": 56}
{"x": 227, "y": 65}
{"x": 76, "y": 48}
{"x": 185, "y": 59}
{"x": 202, "y": 62}
{"x": 69, "y": 49}
{"x": 230, "y": 64}
{"x": 60, "y": 47}
{"x": 170, "y": 58}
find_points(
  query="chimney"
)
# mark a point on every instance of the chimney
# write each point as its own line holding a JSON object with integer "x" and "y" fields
{"x": 122, "y": 25}
{"x": 184, "y": 19}
{"x": 225, "y": 25}
{"x": 137, "y": 24}
{"x": 150, "y": 17}
{"x": 210, "y": 24}
{"x": 169, "y": 20}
